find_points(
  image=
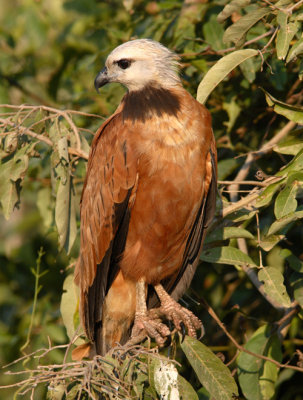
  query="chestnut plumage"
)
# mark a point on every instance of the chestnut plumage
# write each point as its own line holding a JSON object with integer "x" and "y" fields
{"x": 148, "y": 198}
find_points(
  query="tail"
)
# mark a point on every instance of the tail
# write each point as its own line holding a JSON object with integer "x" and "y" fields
{"x": 118, "y": 315}
{"x": 106, "y": 321}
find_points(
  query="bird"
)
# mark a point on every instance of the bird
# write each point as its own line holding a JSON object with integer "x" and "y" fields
{"x": 148, "y": 198}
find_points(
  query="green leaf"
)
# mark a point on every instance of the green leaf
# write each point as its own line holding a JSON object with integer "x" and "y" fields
{"x": 220, "y": 70}
{"x": 139, "y": 382}
{"x": 295, "y": 165}
{"x": 186, "y": 391}
{"x": 203, "y": 394}
{"x": 213, "y": 33}
{"x": 44, "y": 206}
{"x": 60, "y": 160}
{"x": 269, "y": 376}
{"x": 285, "y": 34}
{"x": 55, "y": 332}
{"x": 282, "y": 3}
{"x": 257, "y": 377}
{"x": 274, "y": 286}
{"x": 248, "y": 69}
{"x": 236, "y": 33}
{"x": 301, "y": 70}
{"x": 9, "y": 196}
{"x": 63, "y": 148}
{"x": 211, "y": 372}
{"x": 227, "y": 233}
{"x": 65, "y": 214}
{"x": 233, "y": 111}
{"x": 286, "y": 202}
{"x": 69, "y": 305}
{"x": 55, "y": 391}
{"x": 291, "y": 145}
{"x": 296, "y": 283}
{"x": 54, "y": 131}
{"x": 265, "y": 197}
{"x": 249, "y": 367}
{"x": 269, "y": 242}
{"x": 295, "y": 50}
{"x": 242, "y": 215}
{"x": 226, "y": 167}
{"x": 294, "y": 262}
{"x": 291, "y": 112}
{"x": 295, "y": 178}
{"x": 73, "y": 393}
{"x": 281, "y": 223}
{"x": 230, "y": 8}
{"x": 12, "y": 173}
{"x": 226, "y": 255}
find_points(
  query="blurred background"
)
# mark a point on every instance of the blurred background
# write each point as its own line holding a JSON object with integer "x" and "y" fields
{"x": 51, "y": 51}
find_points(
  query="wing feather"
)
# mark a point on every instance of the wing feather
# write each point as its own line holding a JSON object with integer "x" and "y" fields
{"x": 111, "y": 176}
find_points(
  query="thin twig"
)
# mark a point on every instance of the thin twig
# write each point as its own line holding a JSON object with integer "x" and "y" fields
{"x": 272, "y": 5}
{"x": 266, "y": 148}
{"x": 248, "y": 200}
{"x": 291, "y": 8}
{"x": 234, "y": 189}
{"x": 37, "y": 276}
{"x": 26, "y": 111}
{"x": 51, "y": 109}
{"x": 253, "y": 183}
{"x": 229, "y": 49}
{"x": 269, "y": 42}
{"x": 35, "y": 135}
{"x": 212, "y": 313}
{"x": 259, "y": 240}
{"x": 79, "y": 153}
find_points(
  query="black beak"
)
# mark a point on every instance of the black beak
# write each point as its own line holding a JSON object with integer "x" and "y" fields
{"x": 101, "y": 79}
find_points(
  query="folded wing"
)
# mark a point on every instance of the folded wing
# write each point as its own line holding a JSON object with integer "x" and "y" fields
{"x": 108, "y": 191}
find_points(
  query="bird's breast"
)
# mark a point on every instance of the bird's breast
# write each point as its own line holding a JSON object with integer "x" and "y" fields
{"x": 168, "y": 140}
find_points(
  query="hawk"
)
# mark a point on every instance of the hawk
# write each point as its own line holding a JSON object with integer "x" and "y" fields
{"x": 148, "y": 198}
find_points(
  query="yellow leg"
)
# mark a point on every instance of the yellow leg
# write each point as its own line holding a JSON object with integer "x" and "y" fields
{"x": 178, "y": 314}
{"x": 143, "y": 323}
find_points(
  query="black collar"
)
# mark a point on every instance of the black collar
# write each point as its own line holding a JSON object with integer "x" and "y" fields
{"x": 143, "y": 104}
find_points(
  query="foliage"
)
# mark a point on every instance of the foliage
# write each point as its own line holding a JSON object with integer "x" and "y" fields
{"x": 252, "y": 270}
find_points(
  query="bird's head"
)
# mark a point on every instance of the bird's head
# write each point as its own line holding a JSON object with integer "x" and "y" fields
{"x": 138, "y": 64}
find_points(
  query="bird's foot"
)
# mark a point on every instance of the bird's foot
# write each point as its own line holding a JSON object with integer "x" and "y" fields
{"x": 151, "y": 326}
{"x": 180, "y": 316}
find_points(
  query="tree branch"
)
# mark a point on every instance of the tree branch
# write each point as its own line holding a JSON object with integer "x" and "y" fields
{"x": 212, "y": 313}
{"x": 266, "y": 148}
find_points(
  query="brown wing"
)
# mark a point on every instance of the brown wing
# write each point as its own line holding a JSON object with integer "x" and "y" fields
{"x": 105, "y": 214}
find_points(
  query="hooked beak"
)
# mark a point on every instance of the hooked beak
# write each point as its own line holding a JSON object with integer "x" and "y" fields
{"x": 101, "y": 79}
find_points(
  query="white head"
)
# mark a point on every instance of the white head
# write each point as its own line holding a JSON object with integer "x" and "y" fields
{"x": 139, "y": 63}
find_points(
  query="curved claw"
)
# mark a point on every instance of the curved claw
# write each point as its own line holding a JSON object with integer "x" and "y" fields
{"x": 181, "y": 317}
{"x": 183, "y": 331}
{"x": 202, "y": 332}
{"x": 170, "y": 325}
{"x": 115, "y": 373}
{"x": 152, "y": 327}
{"x": 168, "y": 341}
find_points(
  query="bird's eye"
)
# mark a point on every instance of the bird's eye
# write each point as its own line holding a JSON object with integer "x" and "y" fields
{"x": 123, "y": 64}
